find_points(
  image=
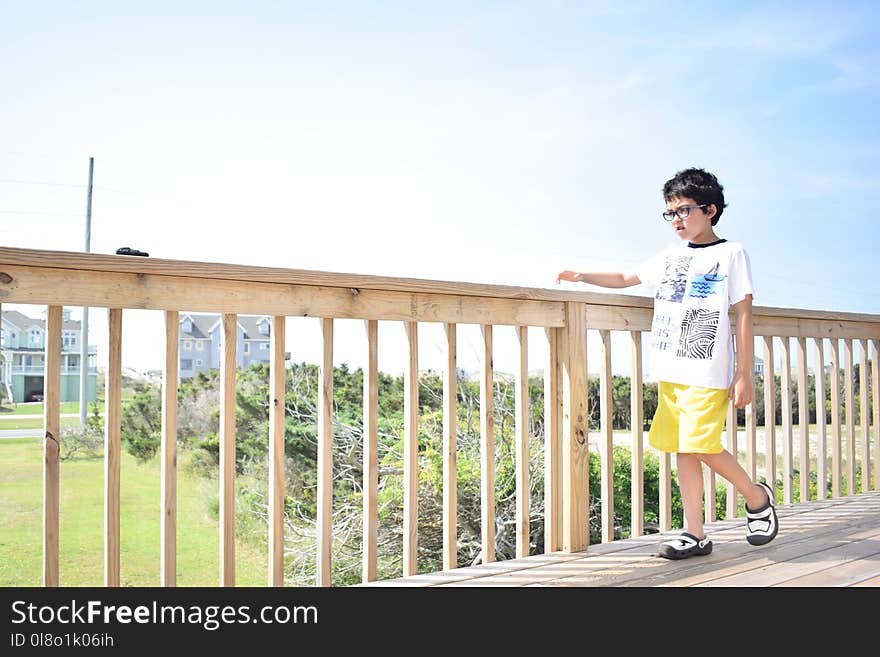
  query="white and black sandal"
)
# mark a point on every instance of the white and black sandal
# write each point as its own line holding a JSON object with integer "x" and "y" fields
{"x": 762, "y": 524}
{"x": 685, "y": 545}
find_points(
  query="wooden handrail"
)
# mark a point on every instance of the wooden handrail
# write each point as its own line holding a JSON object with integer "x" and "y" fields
{"x": 60, "y": 279}
{"x": 143, "y": 267}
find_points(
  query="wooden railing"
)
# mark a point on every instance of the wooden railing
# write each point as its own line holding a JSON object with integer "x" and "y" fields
{"x": 58, "y": 279}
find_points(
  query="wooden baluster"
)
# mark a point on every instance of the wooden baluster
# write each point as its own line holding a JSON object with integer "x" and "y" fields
{"x": 709, "y": 495}
{"x": 521, "y": 459}
{"x": 787, "y": 440}
{"x": 228, "y": 366}
{"x": 821, "y": 439}
{"x": 637, "y": 421}
{"x": 168, "y": 525}
{"x": 665, "y": 459}
{"x": 875, "y": 384}
{"x": 865, "y": 441}
{"x": 487, "y": 448}
{"x": 732, "y": 447}
{"x": 850, "y": 419}
{"x": 112, "y": 449}
{"x": 552, "y": 471}
{"x": 324, "y": 567}
{"x": 411, "y": 453}
{"x": 836, "y": 469}
{"x": 51, "y": 445}
{"x": 450, "y": 444}
{"x": 371, "y": 455}
{"x": 769, "y": 413}
{"x": 804, "y": 418}
{"x": 277, "y": 390}
{"x": 572, "y": 353}
{"x": 606, "y": 440}
{"x": 751, "y": 430}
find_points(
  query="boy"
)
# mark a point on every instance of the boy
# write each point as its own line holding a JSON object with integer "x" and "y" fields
{"x": 692, "y": 358}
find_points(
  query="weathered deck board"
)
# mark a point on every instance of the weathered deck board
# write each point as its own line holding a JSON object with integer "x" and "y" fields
{"x": 832, "y": 542}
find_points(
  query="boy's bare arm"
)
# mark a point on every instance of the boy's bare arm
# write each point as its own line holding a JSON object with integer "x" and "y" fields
{"x": 743, "y": 389}
{"x": 601, "y": 278}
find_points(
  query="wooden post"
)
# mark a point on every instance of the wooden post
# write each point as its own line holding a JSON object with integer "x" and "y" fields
{"x": 51, "y": 443}
{"x": 411, "y": 452}
{"x": 450, "y": 444}
{"x": 112, "y": 449}
{"x": 572, "y": 354}
{"x": 804, "y": 419}
{"x": 227, "y": 450}
{"x": 487, "y": 448}
{"x": 787, "y": 464}
{"x": 836, "y": 468}
{"x": 821, "y": 445}
{"x": 637, "y": 421}
{"x": 606, "y": 440}
{"x": 168, "y": 525}
{"x": 552, "y": 448}
{"x": 277, "y": 390}
{"x": 521, "y": 464}
{"x": 769, "y": 413}
{"x": 325, "y": 455}
{"x": 371, "y": 454}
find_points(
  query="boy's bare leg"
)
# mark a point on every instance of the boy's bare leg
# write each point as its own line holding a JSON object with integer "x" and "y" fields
{"x": 725, "y": 465}
{"x": 690, "y": 483}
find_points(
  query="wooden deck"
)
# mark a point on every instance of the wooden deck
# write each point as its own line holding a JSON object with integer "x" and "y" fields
{"x": 820, "y": 543}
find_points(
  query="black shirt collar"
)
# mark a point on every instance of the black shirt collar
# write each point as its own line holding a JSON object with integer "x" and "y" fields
{"x": 703, "y": 246}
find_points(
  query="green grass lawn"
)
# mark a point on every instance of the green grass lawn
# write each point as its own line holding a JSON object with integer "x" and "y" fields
{"x": 36, "y": 408}
{"x": 33, "y": 423}
{"x": 81, "y": 533}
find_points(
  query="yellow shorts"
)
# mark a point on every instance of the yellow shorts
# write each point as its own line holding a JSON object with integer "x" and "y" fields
{"x": 689, "y": 419}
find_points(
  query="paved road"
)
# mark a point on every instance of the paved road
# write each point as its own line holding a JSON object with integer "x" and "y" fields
{"x": 21, "y": 433}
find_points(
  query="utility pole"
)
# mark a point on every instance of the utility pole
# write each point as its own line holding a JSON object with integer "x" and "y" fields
{"x": 84, "y": 334}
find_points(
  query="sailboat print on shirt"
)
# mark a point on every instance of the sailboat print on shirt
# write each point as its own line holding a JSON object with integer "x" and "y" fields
{"x": 707, "y": 284}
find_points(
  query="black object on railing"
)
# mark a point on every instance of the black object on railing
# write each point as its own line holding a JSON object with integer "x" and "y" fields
{"x": 127, "y": 250}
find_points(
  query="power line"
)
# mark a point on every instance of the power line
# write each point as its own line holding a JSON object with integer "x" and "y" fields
{"x": 51, "y": 214}
{"x": 39, "y": 182}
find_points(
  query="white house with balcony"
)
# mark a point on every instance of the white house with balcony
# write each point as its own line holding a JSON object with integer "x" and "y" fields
{"x": 201, "y": 342}
{"x": 23, "y": 353}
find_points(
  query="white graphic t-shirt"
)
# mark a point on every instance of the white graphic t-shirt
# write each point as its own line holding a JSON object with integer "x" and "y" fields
{"x": 695, "y": 284}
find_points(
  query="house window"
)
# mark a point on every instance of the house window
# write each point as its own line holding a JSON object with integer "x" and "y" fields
{"x": 200, "y": 346}
{"x": 187, "y": 345}
{"x": 186, "y": 363}
{"x": 264, "y": 346}
{"x": 247, "y": 347}
{"x": 264, "y": 328}
{"x": 198, "y": 362}
{"x": 35, "y": 337}
{"x": 187, "y": 326}
{"x": 68, "y": 339}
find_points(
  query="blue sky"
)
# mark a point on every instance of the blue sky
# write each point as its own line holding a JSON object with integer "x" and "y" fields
{"x": 488, "y": 142}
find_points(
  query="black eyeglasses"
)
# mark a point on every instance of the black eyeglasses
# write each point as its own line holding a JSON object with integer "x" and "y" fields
{"x": 682, "y": 212}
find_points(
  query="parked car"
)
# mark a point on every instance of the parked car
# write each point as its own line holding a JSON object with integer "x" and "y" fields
{"x": 35, "y": 396}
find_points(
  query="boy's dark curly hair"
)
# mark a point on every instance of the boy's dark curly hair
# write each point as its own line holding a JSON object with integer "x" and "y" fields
{"x": 699, "y": 185}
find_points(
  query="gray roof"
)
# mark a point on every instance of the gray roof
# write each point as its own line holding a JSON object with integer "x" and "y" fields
{"x": 24, "y": 322}
{"x": 202, "y": 325}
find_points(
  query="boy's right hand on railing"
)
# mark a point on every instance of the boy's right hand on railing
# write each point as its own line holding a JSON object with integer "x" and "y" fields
{"x": 568, "y": 275}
